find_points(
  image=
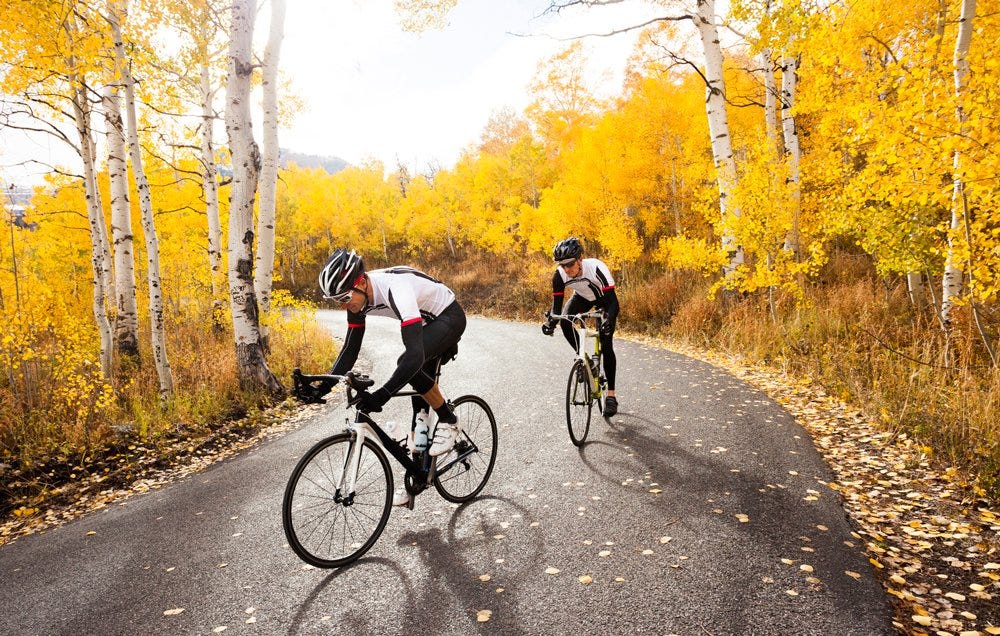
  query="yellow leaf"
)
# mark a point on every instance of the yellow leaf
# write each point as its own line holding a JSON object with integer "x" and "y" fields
{"x": 483, "y": 615}
{"x": 922, "y": 620}
{"x": 853, "y": 575}
{"x": 484, "y": 577}
{"x": 173, "y": 612}
{"x": 551, "y": 570}
{"x": 586, "y": 579}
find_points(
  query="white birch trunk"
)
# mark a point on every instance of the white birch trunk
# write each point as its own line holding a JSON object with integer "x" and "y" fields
{"x": 718, "y": 128}
{"x": 770, "y": 101}
{"x": 210, "y": 183}
{"x": 158, "y": 336}
{"x": 264, "y": 274}
{"x": 126, "y": 332}
{"x": 793, "y": 153}
{"x": 951, "y": 285}
{"x": 251, "y": 366}
{"x": 210, "y": 188}
{"x": 95, "y": 218}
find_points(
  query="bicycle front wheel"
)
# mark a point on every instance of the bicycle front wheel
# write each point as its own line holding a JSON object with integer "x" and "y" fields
{"x": 464, "y": 470}
{"x": 327, "y": 526}
{"x": 579, "y": 402}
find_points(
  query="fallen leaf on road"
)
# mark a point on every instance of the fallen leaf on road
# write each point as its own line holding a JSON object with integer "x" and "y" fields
{"x": 743, "y": 518}
{"x": 666, "y": 539}
{"x": 483, "y": 615}
{"x": 586, "y": 580}
{"x": 604, "y": 553}
{"x": 806, "y": 568}
{"x": 173, "y": 612}
{"x": 551, "y": 570}
{"x": 853, "y": 575}
{"x": 485, "y": 577}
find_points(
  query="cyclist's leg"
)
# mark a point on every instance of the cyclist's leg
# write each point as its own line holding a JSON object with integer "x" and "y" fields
{"x": 439, "y": 336}
{"x": 577, "y": 304}
{"x": 610, "y": 368}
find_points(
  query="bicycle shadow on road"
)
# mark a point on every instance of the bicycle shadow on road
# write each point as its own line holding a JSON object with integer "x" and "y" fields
{"x": 479, "y": 533}
{"x": 347, "y": 620}
{"x": 612, "y": 471}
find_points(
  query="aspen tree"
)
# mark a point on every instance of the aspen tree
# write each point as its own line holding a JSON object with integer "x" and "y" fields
{"x": 126, "y": 332}
{"x": 951, "y": 285}
{"x": 264, "y": 273}
{"x": 251, "y": 365}
{"x": 117, "y": 12}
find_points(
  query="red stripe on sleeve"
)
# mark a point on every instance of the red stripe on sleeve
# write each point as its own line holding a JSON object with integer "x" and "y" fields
{"x": 355, "y": 325}
{"x": 558, "y": 293}
{"x": 411, "y": 321}
{"x": 607, "y": 288}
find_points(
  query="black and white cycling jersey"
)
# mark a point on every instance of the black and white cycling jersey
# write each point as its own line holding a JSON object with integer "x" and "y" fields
{"x": 407, "y": 294}
{"x": 595, "y": 280}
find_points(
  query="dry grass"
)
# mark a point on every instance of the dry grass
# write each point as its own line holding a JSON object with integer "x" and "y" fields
{"x": 207, "y": 397}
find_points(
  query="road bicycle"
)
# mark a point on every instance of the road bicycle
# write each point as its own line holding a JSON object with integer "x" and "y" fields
{"x": 339, "y": 496}
{"x": 587, "y": 384}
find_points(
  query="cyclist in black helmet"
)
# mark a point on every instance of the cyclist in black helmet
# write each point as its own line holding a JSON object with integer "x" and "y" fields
{"x": 593, "y": 286}
{"x": 431, "y": 321}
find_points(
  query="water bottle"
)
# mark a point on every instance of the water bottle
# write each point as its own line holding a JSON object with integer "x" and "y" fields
{"x": 420, "y": 432}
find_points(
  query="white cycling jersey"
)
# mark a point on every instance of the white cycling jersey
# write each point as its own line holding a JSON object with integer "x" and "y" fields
{"x": 407, "y": 294}
{"x": 594, "y": 281}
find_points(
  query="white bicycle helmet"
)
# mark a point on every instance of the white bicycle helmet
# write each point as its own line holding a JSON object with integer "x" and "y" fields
{"x": 341, "y": 272}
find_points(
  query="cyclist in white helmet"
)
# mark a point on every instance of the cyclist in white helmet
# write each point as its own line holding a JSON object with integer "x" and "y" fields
{"x": 431, "y": 322}
{"x": 593, "y": 286}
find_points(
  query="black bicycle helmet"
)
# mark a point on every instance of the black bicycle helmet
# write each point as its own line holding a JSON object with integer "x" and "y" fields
{"x": 567, "y": 249}
{"x": 340, "y": 272}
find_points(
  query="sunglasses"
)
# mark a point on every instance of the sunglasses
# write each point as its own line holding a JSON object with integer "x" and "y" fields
{"x": 567, "y": 262}
{"x": 342, "y": 298}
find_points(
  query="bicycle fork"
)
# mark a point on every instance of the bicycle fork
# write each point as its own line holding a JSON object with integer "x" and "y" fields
{"x": 347, "y": 480}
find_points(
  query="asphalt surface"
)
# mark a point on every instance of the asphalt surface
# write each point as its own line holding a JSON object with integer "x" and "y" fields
{"x": 702, "y": 508}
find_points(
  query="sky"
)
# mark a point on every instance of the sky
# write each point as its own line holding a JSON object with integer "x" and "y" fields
{"x": 373, "y": 91}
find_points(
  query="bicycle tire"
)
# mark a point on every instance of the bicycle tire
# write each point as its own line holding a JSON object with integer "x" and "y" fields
{"x": 465, "y": 469}
{"x": 579, "y": 403}
{"x": 322, "y": 531}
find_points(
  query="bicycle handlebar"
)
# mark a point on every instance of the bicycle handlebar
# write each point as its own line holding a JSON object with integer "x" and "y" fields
{"x": 579, "y": 318}
{"x": 306, "y": 389}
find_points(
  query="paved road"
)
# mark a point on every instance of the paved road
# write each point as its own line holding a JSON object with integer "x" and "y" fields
{"x": 701, "y": 509}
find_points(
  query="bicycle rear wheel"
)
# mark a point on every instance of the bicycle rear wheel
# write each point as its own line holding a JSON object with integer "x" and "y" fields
{"x": 326, "y": 526}
{"x": 464, "y": 470}
{"x": 579, "y": 403}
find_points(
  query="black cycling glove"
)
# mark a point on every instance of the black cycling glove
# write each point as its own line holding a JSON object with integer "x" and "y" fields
{"x": 374, "y": 401}
{"x": 548, "y": 327}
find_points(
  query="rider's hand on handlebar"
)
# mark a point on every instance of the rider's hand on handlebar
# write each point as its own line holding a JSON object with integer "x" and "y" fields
{"x": 548, "y": 327}
{"x": 374, "y": 401}
{"x": 607, "y": 328}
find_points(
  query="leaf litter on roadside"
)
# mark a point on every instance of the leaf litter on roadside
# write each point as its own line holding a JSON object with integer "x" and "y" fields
{"x": 931, "y": 536}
